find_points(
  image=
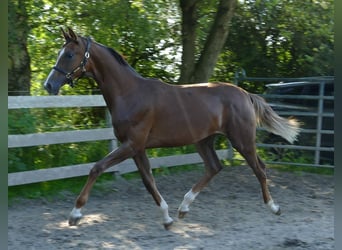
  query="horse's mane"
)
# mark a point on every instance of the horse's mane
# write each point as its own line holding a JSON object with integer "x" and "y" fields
{"x": 119, "y": 58}
{"x": 116, "y": 55}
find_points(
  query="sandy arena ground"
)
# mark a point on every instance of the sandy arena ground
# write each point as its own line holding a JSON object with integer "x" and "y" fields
{"x": 228, "y": 214}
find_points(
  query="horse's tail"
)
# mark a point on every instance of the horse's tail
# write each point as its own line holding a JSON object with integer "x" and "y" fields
{"x": 271, "y": 121}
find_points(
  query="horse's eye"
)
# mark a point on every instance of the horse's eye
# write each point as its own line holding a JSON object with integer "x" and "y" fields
{"x": 69, "y": 55}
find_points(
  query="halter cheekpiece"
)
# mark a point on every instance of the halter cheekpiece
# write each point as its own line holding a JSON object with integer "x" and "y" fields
{"x": 70, "y": 75}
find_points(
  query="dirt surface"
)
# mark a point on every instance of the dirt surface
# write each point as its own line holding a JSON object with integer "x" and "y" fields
{"x": 228, "y": 214}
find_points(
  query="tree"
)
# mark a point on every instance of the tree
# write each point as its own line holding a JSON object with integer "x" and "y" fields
{"x": 281, "y": 38}
{"x": 201, "y": 69}
{"x": 19, "y": 72}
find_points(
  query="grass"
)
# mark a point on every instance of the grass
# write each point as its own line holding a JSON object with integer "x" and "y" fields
{"x": 300, "y": 169}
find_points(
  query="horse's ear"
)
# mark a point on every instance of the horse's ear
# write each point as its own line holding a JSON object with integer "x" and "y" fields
{"x": 66, "y": 35}
{"x": 72, "y": 34}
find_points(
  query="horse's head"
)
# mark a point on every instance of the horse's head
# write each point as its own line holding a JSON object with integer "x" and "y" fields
{"x": 70, "y": 64}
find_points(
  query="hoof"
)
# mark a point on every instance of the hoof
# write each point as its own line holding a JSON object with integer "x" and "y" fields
{"x": 73, "y": 221}
{"x": 181, "y": 214}
{"x": 168, "y": 225}
{"x": 278, "y": 212}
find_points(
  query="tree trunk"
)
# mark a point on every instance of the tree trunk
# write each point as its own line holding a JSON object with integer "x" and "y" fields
{"x": 189, "y": 23}
{"x": 201, "y": 70}
{"x": 19, "y": 73}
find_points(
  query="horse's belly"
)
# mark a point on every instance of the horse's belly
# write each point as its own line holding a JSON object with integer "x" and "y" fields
{"x": 181, "y": 130}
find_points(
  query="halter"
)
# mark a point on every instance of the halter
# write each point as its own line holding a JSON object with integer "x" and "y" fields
{"x": 70, "y": 75}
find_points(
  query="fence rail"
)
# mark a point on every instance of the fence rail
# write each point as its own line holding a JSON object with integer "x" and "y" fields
{"x": 75, "y": 136}
{"x": 27, "y": 140}
{"x": 127, "y": 166}
{"x": 18, "y": 102}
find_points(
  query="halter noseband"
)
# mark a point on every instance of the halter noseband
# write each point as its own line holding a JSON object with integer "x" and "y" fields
{"x": 70, "y": 75}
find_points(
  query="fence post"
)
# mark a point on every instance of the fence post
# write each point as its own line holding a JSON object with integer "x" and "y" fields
{"x": 319, "y": 121}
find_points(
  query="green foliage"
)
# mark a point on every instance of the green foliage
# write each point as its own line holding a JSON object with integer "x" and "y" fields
{"x": 158, "y": 152}
{"x": 21, "y": 121}
{"x": 48, "y": 156}
{"x": 145, "y": 32}
{"x": 300, "y": 170}
{"x": 267, "y": 38}
{"x": 24, "y": 121}
{"x": 276, "y": 154}
{"x": 280, "y": 39}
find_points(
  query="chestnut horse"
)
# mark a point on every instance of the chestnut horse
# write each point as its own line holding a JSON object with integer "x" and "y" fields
{"x": 148, "y": 113}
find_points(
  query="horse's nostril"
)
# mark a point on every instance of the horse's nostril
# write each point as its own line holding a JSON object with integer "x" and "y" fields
{"x": 50, "y": 88}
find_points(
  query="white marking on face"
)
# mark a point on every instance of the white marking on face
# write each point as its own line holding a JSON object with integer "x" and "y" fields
{"x": 53, "y": 70}
{"x": 60, "y": 55}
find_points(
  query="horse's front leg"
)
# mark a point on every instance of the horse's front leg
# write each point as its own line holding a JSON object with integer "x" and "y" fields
{"x": 120, "y": 154}
{"x": 145, "y": 171}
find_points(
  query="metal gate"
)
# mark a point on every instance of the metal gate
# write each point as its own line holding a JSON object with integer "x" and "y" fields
{"x": 310, "y": 99}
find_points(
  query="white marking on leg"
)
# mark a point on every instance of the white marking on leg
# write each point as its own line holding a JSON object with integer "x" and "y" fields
{"x": 165, "y": 211}
{"x": 189, "y": 197}
{"x": 76, "y": 213}
{"x": 274, "y": 207}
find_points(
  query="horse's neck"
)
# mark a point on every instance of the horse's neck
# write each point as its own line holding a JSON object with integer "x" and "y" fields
{"x": 113, "y": 78}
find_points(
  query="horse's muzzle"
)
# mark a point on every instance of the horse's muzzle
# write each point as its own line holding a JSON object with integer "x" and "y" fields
{"x": 52, "y": 90}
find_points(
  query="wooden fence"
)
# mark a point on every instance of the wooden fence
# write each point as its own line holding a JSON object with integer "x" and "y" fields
{"x": 26, "y": 140}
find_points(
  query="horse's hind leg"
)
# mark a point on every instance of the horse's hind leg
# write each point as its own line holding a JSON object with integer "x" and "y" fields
{"x": 212, "y": 167}
{"x": 245, "y": 145}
